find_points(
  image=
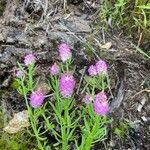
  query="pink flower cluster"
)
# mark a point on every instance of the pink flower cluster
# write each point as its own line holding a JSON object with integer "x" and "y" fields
{"x": 100, "y": 103}
{"x": 99, "y": 68}
{"x": 64, "y": 52}
{"x": 36, "y": 99}
{"x": 67, "y": 85}
{"x": 29, "y": 59}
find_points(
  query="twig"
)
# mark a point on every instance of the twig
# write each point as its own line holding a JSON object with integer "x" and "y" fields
{"x": 144, "y": 90}
{"x": 83, "y": 72}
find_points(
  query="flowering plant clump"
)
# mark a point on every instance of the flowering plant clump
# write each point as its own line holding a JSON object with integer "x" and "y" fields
{"x": 101, "y": 104}
{"x": 29, "y": 59}
{"x": 36, "y": 99}
{"x": 56, "y": 112}
{"x": 67, "y": 85}
{"x": 64, "y": 52}
{"x": 54, "y": 70}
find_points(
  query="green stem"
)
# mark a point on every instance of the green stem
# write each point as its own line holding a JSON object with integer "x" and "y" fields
{"x": 89, "y": 142}
{"x": 30, "y": 75}
{"x": 31, "y": 116}
{"x": 64, "y": 131}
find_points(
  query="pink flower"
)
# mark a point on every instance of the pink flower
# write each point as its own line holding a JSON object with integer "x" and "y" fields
{"x": 29, "y": 59}
{"x": 101, "y": 67}
{"x": 86, "y": 99}
{"x": 101, "y": 104}
{"x": 92, "y": 70}
{"x": 54, "y": 70}
{"x": 19, "y": 74}
{"x": 64, "y": 52}
{"x": 67, "y": 85}
{"x": 36, "y": 99}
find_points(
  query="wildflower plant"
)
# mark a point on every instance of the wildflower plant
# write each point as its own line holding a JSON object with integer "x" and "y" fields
{"x": 59, "y": 114}
{"x": 26, "y": 86}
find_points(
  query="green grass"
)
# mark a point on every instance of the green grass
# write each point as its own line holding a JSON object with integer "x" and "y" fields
{"x": 130, "y": 16}
{"x": 122, "y": 129}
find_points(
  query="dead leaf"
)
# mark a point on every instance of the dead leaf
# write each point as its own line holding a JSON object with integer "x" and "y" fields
{"x": 44, "y": 87}
{"x": 107, "y": 45}
{"x": 19, "y": 121}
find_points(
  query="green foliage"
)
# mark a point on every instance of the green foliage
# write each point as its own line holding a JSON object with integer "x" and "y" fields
{"x": 122, "y": 129}
{"x": 99, "y": 82}
{"x": 132, "y": 16}
{"x": 59, "y": 117}
{"x": 94, "y": 129}
{"x": 20, "y": 141}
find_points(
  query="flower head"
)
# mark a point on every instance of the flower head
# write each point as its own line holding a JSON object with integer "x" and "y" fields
{"x": 101, "y": 67}
{"x": 19, "y": 74}
{"x": 67, "y": 85}
{"x": 92, "y": 70}
{"x": 29, "y": 59}
{"x": 36, "y": 99}
{"x": 86, "y": 99}
{"x": 64, "y": 52}
{"x": 101, "y": 104}
{"x": 54, "y": 70}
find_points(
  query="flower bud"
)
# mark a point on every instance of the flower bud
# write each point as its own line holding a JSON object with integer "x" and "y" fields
{"x": 86, "y": 99}
{"x": 54, "y": 70}
{"x": 64, "y": 52}
{"x": 19, "y": 74}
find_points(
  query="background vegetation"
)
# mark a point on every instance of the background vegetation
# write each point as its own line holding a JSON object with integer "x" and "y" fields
{"x": 130, "y": 16}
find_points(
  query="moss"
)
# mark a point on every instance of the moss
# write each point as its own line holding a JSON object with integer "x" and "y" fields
{"x": 14, "y": 84}
{"x": 19, "y": 141}
{"x": 122, "y": 129}
{"x": 2, "y": 7}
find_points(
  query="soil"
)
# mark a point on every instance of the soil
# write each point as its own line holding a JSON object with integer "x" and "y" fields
{"x": 31, "y": 27}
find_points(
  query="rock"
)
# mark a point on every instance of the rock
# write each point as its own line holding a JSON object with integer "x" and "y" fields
{"x": 44, "y": 87}
{"x": 62, "y": 36}
{"x": 10, "y": 40}
{"x": 76, "y": 24}
{"x": 1, "y": 37}
{"x": 19, "y": 121}
{"x": 39, "y": 41}
{"x": 117, "y": 101}
{"x": 6, "y": 82}
{"x": 139, "y": 108}
{"x": 11, "y": 54}
{"x": 79, "y": 24}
